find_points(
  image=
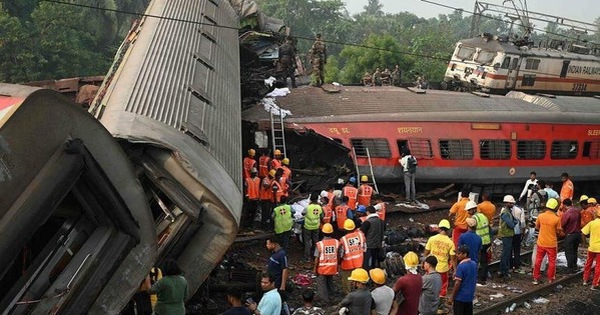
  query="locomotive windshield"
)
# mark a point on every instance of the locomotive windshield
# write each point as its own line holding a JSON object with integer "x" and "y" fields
{"x": 465, "y": 53}
{"x": 485, "y": 57}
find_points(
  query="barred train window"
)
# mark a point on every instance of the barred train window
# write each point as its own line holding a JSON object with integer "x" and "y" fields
{"x": 564, "y": 150}
{"x": 456, "y": 149}
{"x": 591, "y": 149}
{"x": 532, "y": 64}
{"x": 531, "y": 150}
{"x": 421, "y": 148}
{"x": 378, "y": 147}
{"x": 494, "y": 149}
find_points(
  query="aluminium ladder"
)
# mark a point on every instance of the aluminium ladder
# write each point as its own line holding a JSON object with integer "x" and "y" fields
{"x": 370, "y": 168}
{"x": 278, "y": 133}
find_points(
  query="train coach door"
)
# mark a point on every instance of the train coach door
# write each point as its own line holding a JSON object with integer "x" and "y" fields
{"x": 513, "y": 72}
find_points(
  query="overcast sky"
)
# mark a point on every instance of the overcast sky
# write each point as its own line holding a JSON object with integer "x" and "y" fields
{"x": 581, "y": 10}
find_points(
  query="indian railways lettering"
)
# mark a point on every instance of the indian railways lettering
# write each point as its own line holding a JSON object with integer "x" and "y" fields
{"x": 410, "y": 129}
{"x": 584, "y": 70}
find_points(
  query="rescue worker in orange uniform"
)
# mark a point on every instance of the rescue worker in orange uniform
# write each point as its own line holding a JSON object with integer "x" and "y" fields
{"x": 326, "y": 263}
{"x": 276, "y": 161}
{"x": 460, "y": 222}
{"x": 285, "y": 165}
{"x": 252, "y": 186}
{"x": 353, "y": 250}
{"x": 249, "y": 163}
{"x": 595, "y": 208}
{"x": 587, "y": 211}
{"x": 380, "y": 206}
{"x": 351, "y": 192}
{"x": 266, "y": 198}
{"x": 264, "y": 163}
{"x": 567, "y": 189}
{"x": 365, "y": 191}
{"x": 283, "y": 181}
{"x": 342, "y": 212}
{"x": 328, "y": 214}
{"x": 276, "y": 186}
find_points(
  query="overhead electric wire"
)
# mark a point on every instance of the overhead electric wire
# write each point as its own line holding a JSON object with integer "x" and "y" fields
{"x": 300, "y": 37}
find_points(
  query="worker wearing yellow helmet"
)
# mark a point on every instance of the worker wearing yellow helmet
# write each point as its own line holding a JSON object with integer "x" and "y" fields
{"x": 409, "y": 285}
{"x": 365, "y": 191}
{"x": 592, "y": 230}
{"x": 442, "y": 247}
{"x": 326, "y": 263}
{"x": 588, "y": 210}
{"x": 249, "y": 163}
{"x": 382, "y": 294}
{"x": 276, "y": 161}
{"x": 548, "y": 225}
{"x": 353, "y": 246}
{"x": 285, "y": 165}
{"x": 360, "y": 298}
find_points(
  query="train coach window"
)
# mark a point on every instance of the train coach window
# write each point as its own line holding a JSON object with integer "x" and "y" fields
{"x": 532, "y": 64}
{"x": 421, "y": 148}
{"x": 528, "y": 80}
{"x": 564, "y": 150}
{"x": 515, "y": 64}
{"x": 465, "y": 53}
{"x": 531, "y": 150}
{"x": 494, "y": 149}
{"x": 505, "y": 63}
{"x": 459, "y": 149}
{"x": 378, "y": 147}
{"x": 591, "y": 149}
{"x": 485, "y": 57}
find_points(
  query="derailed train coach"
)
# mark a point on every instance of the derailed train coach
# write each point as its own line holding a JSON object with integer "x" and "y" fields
{"x": 91, "y": 202}
{"x": 172, "y": 99}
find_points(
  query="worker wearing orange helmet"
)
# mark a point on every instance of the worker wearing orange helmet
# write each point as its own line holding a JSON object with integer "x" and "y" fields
{"x": 365, "y": 191}
{"x": 249, "y": 163}
{"x": 326, "y": 263}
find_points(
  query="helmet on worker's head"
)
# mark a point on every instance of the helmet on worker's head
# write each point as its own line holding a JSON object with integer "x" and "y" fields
{"x": 352, "y": 180}
{"x": 552, "y": 204}
{"x": 411, "y": 260}
{"x": 359, "y": 275}
{"x": 377, "y": 275}
{"x": 272, "y": 173}
{"x": 444, "y": 224}
{"x": 471, "y": 205}
{"x": 364, "y": 179}
{"x": 277, "y": 152}
{"x": 253, "y": 170}
{"x": 509, "y": 199}
{"x": 327, "y": 228}
{"x": 285, "y": 161}
{"x": 592, "y": 201}
{"x": 251, "y": 152}
{"x": 584, "y": 198}
{"x": 361, "y": 209}
{"x": 349, "y": 225}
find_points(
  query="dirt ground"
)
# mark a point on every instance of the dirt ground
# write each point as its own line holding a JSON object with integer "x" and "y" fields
{"x": 570, "y": 299}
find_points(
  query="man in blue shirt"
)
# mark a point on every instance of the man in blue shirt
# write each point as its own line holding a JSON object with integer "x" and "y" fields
{"x": 270, "y": 303}
{"x": 277, "y": 266}
{"x": 472, "y": 240}
{"x": 465, "y": 281}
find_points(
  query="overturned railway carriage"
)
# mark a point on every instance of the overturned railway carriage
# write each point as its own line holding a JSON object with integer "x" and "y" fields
{"x": 496, "y": 65}
{"x": 173, "y": 100}
{"x": 457, "y": 137}
{"x": 76, "y": 232}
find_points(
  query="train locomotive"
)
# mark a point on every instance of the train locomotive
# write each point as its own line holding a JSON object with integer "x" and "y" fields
{"x": 494, "y": 64}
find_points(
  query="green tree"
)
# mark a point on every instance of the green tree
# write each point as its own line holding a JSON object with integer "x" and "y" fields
{"x": 377, "y": 51}
{"x": 374, "y": 8}
{"x": 18, "y": 61}
{"x": 332, "y": 70}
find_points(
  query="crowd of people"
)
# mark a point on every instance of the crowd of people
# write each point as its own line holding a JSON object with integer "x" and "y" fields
{"x": 343, "y": 235}
{"x": 383, "y": 78}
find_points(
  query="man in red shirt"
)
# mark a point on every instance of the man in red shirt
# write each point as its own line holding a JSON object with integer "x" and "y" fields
{"x": 571, "y": 225}
{"x": 410, "y": 285}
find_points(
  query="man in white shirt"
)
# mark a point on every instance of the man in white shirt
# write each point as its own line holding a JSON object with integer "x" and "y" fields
{"x": 409, "y": 169}
{"x": 532, "y": 181}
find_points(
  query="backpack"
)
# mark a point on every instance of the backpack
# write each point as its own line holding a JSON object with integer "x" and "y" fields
{"x": 411, "y": 164}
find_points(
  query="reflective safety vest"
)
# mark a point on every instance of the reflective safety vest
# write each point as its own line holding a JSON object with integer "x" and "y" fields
{"x": 263, "y": 166}
{"x": 483, "y": 228}
{"x": 275, "y": 164}
{"x": 266, "y": 191}
{"x": 331, "y": 197}
{"x": 287, "y": 172}
{"x": 327, "y": 214}
{"x": 252, "y": 188}
{"x": 276, "y": 195}
{"x": 249, "y": 163}
{"x": 351, "y": 193}
{"x": 283, "y": 218}
{"x": 382, "y": 210}
{"x": 364, "y": 195}
{"x": 354, "y": 248}
{"x": 284, "y": 186}
{"x": 313, "y": 216}
{"x": 341, "y": 214}
{"x": 328, "y": 256}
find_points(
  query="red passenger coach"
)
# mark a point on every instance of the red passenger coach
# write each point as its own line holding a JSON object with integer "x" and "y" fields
{"x": 456, "y": 137}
